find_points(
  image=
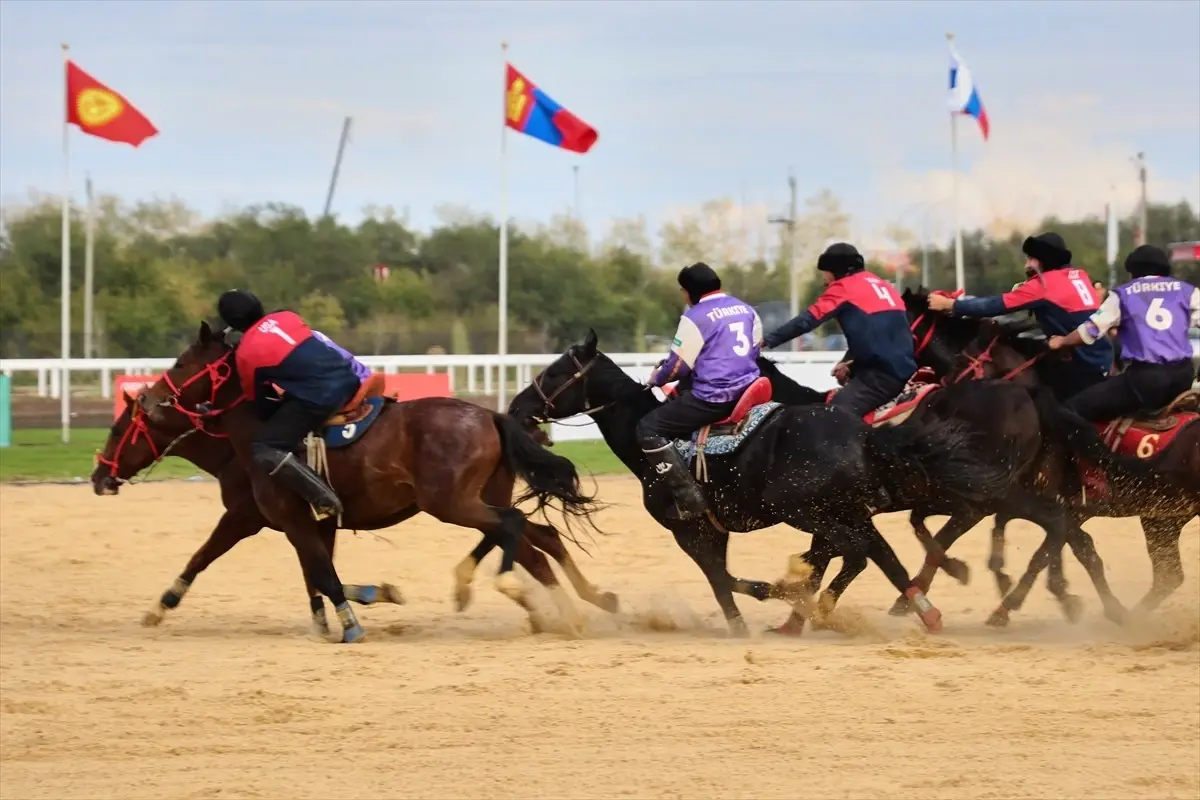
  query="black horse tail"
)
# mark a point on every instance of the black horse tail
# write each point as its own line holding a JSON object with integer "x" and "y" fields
{"x": 550, "y": 479}
{"x": 935, "y": 458}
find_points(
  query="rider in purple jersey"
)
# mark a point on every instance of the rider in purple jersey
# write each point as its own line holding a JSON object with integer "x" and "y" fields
{"x": 1151, "y": 314}
{"x": 716, "y": 343}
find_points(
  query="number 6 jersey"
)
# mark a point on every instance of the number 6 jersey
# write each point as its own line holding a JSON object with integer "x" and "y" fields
{"x": 717, "y": 341}
{"x": 1152, "y": 315}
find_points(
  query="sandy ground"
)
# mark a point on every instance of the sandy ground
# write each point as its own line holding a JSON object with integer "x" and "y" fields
{"x": 231, "y": 696}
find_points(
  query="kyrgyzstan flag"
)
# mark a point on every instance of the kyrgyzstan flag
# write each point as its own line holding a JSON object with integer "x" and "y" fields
{"x": 101, "y": 112}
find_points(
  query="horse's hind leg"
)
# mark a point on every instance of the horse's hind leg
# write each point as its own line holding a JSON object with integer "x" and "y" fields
{"x": 879, "y": 551}
{"x": 951, "y": 532}
{"x": 1162, "y": 544}
{"x": 935, "y": 552}
{"x": 237, "y": 523}
{"x": 995, "y": 562}
{"x": 549, "y": 541}
{"x": 803, "y": 580}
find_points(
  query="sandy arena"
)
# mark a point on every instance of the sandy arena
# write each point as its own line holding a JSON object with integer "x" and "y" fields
{"x": 232, "y": 697}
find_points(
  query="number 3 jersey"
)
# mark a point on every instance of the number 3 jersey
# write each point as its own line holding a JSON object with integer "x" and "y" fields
{"x": 1061, "y": 300}
{"x": 280, "y": 349}
{"x": 717, "y": 341}
{"x": 1152, "y": 315}
{"x": 872, "y": 317}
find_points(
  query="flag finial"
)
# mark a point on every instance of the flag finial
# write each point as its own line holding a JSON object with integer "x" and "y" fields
{"x": 949, "y": 36}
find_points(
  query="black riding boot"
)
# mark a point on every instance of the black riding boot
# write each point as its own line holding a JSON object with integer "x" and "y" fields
{"x": 300, "y": 478}
{"x": 666, "y": 463}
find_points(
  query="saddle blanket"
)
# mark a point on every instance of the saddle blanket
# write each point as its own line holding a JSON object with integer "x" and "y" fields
{"x": 1144, "y": 438}
{"x": 901, "y": 408}
{"x": 726, "y": 443}
{"x": 337, "y": 436}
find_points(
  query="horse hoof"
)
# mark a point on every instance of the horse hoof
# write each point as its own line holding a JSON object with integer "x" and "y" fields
{"x": 1072, "y": 607}
{"x": 789, "y": 628}
{"x": 932, "y": 620}
{"x": 900, "y": 607}
{"x": 353, "y": 634}
{"x": 509, "y": 585}
{"x": 390, "y": 594}
{"x": 958, "y": 570}
{"x": 320, "y": 629}
{"x": 154, "y": 616}
{"x": 609, "y": 602}
{"x": 1116, "y": 614}
{"x": 998, "y": 618}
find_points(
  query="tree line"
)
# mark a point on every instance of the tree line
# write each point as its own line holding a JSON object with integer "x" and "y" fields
{"x": 383, "y": 287}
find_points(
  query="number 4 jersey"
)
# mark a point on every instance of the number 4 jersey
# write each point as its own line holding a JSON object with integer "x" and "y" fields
{"x": 1152, "y": 315}
{"x": 280, "y": 349}
{"x": 717, "y": 341}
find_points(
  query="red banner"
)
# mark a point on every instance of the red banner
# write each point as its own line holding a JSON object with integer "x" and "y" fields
{"x": 129, "y": 385}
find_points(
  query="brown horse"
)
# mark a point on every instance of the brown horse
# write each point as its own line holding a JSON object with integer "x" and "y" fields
{"x": 451, "y": 459}
{"x": 970, "y": 349}
{"x": 135, "y": 443}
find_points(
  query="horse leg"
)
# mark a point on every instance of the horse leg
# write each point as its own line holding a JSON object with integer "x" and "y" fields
{"x": 237, "y": 523}
{"x": 996, "y": 556}
{"x": 364, "y": 595}
{"x": 935, "y": 553}
{"x": 550, "y": 542}
{"x": 805, "y": 573}
{"x": 1055, "y": 540}
{"x": 1162, "y": 544}
{"x": 879, "y": 551}
{"x": 852, "y": 567}
{"x": 951, "y": 532}
{"x": 708, "y": 547}
{"x": 1084, "y": 549}
{"x": 316, "y": 561}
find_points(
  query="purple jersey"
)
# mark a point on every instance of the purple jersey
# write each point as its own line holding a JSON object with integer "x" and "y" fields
{"x": 360, "y": 369}
{"x": 717, "y": 341}
{"x": 1152, "y": 315}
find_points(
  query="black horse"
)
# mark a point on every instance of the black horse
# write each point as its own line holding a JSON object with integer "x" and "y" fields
{"x": 1164, "y": 491}
{"x": 814, "y": 467}
{"x": 1011, "y": 426}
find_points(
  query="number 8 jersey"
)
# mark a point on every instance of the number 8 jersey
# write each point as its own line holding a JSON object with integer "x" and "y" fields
{"x": 717, "y": 341}
{"x": 1152, "y": 315}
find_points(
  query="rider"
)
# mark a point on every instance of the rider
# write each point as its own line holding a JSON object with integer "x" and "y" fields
{"x": 880, "y": 360}
{"x": 1151, "y": 314}
{"x": 716, "y": 343}
{"x": 1061, "y": 297}
{"x": 315, "y": 380}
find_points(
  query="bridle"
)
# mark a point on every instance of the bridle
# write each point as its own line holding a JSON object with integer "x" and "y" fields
{"x": 975, "y": 364}
{"x": 138, "y": 428}
{"x": 581, "y": 371}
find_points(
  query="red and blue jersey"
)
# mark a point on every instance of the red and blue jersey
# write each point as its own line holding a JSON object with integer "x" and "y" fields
{"x": 1061, "y": 300}
{"x": 280, "y": 349}
{"x": 872, "y": 317}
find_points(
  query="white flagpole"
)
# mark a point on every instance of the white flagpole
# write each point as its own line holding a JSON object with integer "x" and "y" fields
{"x": 89, "y": 264}
{"x": 65, "y": 346}
{"x": 959, "y": 279}
{"x": 502, "y": 333}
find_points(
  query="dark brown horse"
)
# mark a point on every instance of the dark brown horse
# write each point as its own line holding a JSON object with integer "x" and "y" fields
{"x": 451, "y": 459}
{"x": 135, "y": 443}
{"x": 1163, "y": 490}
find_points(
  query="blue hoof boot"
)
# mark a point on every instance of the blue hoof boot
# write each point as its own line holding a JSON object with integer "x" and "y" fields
{"x": 367, "y": 595}
{"x": 353, "y": 634}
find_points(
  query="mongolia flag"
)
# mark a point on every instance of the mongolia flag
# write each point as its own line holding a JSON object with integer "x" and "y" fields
{"x": 531, "y": 111}
{"x": 964, "y": 97}
{"x": 101, "y": 112}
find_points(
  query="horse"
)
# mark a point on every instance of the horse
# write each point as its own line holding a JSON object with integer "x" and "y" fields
{"x": 1157, "y": 480}
{"x": 817, "y": 468}
{"x": 454, "y": 460}
{"x": 1009, "y": 426}
{"x": 135, "y": 443}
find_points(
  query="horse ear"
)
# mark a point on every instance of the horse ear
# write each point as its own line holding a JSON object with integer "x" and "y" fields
{"x": 590, "y": 342}
{"x": 206, "y": 333}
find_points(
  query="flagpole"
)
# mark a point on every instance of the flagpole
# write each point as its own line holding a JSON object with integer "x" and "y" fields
{"x": 959, "y": 279}
{"x": 502, "y": 333}
{"x": 65, "y": 321}
{"x": 89, "y": 264}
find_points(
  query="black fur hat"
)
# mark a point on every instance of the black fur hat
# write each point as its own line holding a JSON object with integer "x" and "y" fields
{"x": 240, "y": 309}
{"x": 1148, "y": 260}
{"x": 698, "y": 280}
{"x": 1049, "y": 249}
{"x": 841, "y": 259}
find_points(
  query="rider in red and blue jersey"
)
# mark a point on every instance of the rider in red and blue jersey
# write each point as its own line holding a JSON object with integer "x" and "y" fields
{"x": 279, "y": 349}
{"x": 1061, "y": 298}
{"x": 874, "y": 321}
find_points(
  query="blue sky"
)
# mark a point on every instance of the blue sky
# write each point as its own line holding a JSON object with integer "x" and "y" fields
{"x": 693, "y": 101}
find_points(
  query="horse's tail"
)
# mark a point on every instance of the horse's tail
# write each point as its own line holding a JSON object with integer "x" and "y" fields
{"x": 548, "y": 476}
{"x": 940, "y": 452}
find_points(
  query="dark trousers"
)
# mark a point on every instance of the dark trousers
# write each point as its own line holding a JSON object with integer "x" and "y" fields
{"x": 867, "y": 390}
{"x": 1067, "y": 377}
{"x": 1141, "y": 387}
{"x": 286, "y": 428}
{"x": 679, "y": 419}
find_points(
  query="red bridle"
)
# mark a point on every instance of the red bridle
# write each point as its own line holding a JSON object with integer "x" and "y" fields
{"x": 975, "y": 365}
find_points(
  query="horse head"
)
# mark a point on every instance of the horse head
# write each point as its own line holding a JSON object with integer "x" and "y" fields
{"x": 202, "y": 382}
{"x": 133, "y": 444}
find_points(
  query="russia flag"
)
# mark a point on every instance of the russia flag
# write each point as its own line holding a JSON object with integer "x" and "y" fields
{"x": 964, "y": 97}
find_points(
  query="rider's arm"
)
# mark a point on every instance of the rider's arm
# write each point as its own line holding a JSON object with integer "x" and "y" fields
{"x": 684, "y": 352}
{"x": 825, "y": 306}
{"x": 1196, "y": 308}
{"x": 1028, "y": 295}
{"x": 1106, "y": 317}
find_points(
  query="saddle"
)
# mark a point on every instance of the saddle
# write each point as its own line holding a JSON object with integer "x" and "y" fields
{"x": 756, "y": 394}
{"x": 358, "y": 406}
{"x": 1147, "y": 433}
{"x": 1186, "y": 401}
